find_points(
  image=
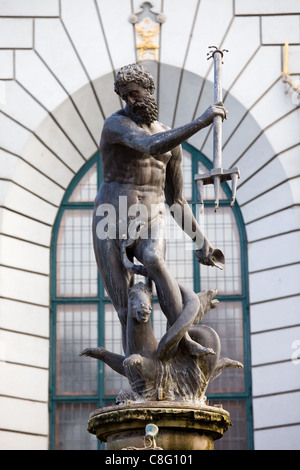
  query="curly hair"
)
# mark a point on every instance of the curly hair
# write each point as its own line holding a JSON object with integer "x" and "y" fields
{"x": 134, "y": 73}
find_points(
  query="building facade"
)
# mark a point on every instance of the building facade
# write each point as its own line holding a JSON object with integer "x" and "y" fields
{"x": 58, "y": 61}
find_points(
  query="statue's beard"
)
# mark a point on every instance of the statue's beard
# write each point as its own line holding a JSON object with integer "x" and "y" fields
{"x": 144, "y": 112}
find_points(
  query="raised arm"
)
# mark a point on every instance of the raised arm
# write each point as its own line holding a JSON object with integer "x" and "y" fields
{"x": 120, "y": 129}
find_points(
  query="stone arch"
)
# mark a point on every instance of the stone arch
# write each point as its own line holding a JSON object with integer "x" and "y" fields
{"x": 53, "y": 150}
{"x": 68, "y": 136}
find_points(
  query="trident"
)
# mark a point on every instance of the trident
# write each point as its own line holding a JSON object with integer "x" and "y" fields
{"x": 217, "y": 175}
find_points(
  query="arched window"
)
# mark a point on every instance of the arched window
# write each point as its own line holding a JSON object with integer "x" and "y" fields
{"x": 83, "y": 316}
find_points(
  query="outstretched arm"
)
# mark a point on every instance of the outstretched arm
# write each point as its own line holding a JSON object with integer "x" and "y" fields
{"x": 120, "y": 129}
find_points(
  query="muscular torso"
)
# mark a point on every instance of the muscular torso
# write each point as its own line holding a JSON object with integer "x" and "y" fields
{"x": 127, "y": 172}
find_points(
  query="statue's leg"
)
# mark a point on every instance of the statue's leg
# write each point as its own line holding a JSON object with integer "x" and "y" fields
{"x": 151, "y": 253}
{"x": 116, "y": 279}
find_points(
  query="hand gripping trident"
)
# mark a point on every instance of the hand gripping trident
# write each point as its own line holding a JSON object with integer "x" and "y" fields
{"x": 217, "y": 175}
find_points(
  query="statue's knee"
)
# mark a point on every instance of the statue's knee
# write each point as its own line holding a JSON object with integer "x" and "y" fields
{"x": 153, "y": 261}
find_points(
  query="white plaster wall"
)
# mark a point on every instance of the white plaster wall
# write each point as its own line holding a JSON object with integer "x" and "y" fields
{"x": 57, "y": 60}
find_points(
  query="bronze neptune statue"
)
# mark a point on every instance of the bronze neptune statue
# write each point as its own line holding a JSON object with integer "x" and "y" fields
{"x": 141, "y": 160}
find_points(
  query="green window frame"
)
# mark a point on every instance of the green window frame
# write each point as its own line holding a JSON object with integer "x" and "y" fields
{"x": 62, "y": 404}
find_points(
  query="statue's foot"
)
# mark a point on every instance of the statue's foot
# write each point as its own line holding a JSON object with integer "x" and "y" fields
{"x": 133, "y": 360}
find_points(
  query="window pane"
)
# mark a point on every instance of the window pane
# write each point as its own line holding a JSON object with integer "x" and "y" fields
{"x": 77, "y": 325}
{"x": 76, "y": 265}
{"x": 188, "y": 179}
{"x": 86, "y": 189}
{"x": 221, "y": 230}
{"x": 76, "y": 329}
{"x": 235, "y": 436}
{"x": 227, "y": 321}
{"x": 179, "y": 255}
{"x": 113, "y": 382}
{"x": 71, "y": 427}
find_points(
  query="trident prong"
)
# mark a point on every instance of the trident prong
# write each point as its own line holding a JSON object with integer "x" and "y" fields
{"x": 211, "y": 53}
{"x": 217, "y": 175}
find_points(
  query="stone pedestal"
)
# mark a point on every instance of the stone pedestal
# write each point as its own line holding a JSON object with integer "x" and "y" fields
{"x": 181, "y": 426}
